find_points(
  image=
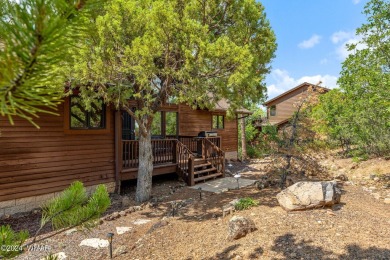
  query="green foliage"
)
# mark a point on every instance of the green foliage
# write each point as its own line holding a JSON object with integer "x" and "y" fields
{"x": 73, "y": 207}
{"x": 245, "y": 203}
{"x": 10, "y": 241}
{"x": 35, "y": 36}
{"x": 359, "y": 113}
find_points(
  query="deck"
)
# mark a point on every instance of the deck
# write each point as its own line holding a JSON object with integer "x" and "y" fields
{"x": 193, "y": 158}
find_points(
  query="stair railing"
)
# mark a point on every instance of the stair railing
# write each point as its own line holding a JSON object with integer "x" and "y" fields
{"x": 213, "y": 154}
{"x": 185, "y": 162}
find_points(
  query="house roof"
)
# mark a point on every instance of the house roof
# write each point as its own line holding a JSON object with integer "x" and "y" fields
{"x": 291, "y": 90}
{"x": 223, "y": 105}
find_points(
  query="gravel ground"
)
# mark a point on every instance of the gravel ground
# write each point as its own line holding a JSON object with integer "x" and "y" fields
{"x": 357, "y": 228}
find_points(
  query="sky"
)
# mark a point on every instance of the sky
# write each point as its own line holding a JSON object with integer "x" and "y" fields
{"x": 311, "y": 37}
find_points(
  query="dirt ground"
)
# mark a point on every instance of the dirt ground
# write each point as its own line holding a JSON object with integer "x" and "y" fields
{"x": 357, "y": 228}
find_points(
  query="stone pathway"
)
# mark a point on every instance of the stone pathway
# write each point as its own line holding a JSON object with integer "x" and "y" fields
{"x": 223, "y": 184}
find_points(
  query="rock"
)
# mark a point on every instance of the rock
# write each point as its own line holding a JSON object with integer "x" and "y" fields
{"x": 122, "y": 213}
{"x": 161, "y": 223}
{"x": 120, "y": 250}
{"x": 376, "y": 179}
{"x": 122, "y": 230}
{"x": 262, "y": 184}
{"x": 70, "y": 231}
{"x": 307, "y": 195}
{"x": 229, "y": 208}
{"x": 141, "y": 221}
{"x": 137, "y": 208}
{"x": 240, "y": 227}
{"x": 94, "y": 242}
{"x": 341, "y": 177}
{"x": 126, "y": 202}
{"x": 386, "y": 200}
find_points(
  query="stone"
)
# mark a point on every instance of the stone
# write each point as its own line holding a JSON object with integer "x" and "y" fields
{"x": 70, "y": 231}
{"x": 137, "y": 208}
{"x": 122, "y": 213}
{"x": 141, "y": 221}
{"x": 122, "y": 230}
{"x": 386, "y": 200}
{"x": 126, "y": 202}
{"x": 308, "y": 195}
{"x": 240, "y": 227}
{"x": 95, "y": 243}
{"x": 120, "y": 250}
{"x": 161, "y": 223}
{"x": 229, "y": 208}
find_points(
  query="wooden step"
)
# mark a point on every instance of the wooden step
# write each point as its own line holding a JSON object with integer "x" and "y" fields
{"x": 205, "y": 170}
{"x": 210, "y": 176}
{"x": 202, "y": 165}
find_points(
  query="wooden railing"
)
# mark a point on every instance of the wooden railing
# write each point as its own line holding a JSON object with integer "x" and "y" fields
{"x": 185, "y": 163}
{"x": 163, "y": 150}
{"x": 214, "y": 155}
{"x": 190, "y": 142}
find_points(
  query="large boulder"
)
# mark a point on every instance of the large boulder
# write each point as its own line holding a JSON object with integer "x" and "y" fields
{"x": 240, "y": 227}
{"x": 308, "y": 195}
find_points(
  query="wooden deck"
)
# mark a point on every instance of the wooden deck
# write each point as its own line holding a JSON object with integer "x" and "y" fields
{"x": 191, "y": 158}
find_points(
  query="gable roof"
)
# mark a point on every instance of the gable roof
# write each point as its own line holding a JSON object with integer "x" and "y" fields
{"x": 223, "y": 105}
{"x": 293, "y": 89}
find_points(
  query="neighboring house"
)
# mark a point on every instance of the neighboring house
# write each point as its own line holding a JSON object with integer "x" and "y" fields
{"x": 101, "y": 147}
{"x": 281, "y": 108}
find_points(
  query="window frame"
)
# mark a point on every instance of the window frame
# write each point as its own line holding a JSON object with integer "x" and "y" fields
{"x": 67, "y": 121}
{"x": 218, "y": 126}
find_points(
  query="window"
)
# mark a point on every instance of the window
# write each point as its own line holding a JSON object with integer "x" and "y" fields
{"x": 272, "y": 110}
{"x": 81, "y": 118}
{"x": 171, "y": 123}
{"x": 218, "y": 122}
{"x": 157, "y": 125}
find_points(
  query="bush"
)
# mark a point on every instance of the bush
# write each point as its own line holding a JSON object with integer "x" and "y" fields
{"x": 11, "y": 242}
{"x": 245, "y": 203}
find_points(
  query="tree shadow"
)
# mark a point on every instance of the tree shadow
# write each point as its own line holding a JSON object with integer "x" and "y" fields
{"x": 292, "y": 249}
{"x": 356, "y": 252}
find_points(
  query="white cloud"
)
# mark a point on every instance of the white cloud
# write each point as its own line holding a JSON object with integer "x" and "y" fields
{"x": 341, "y": 36}
{"x": 315, "y": 39}
{"x": 283, "y": 82}
{"x": 355, "y": 2}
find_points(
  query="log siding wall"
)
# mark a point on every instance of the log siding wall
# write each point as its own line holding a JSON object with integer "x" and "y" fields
{"x": 46, "y": 160}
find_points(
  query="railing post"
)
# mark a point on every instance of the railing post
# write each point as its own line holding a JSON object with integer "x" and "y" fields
{"x": 174, "y": 151}
{"x": 190, "y": 180}
{"x": 203, "y": 148}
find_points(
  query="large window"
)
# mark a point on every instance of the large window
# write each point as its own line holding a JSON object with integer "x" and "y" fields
{"x": 156, "y": 125}
{"x": 272, "y": 111}
{"x": 81, "y": 118}
{"x": 218, "y": 122}
{"x": 171, "y": 123}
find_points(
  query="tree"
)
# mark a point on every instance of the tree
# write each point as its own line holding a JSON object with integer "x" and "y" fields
{"x": 360, "y": 112}
{"x": 154, "y": 50}
{"x": 34, "y": 38}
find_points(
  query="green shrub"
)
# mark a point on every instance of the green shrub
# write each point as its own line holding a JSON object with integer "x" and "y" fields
{"x": 11, "y": 242}
{"x": 245, "y": 203}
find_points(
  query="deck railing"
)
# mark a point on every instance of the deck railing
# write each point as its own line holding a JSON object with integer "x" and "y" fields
{"x": 168, "y": 150}
{"x": 164, "y": 151}
{"x": 185, "y": 163}
{"x": 214, "y": 155}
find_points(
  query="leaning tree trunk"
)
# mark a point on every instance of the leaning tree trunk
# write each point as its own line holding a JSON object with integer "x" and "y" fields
{"x": 244, "y": 154}
{"x": 145, "y": 169}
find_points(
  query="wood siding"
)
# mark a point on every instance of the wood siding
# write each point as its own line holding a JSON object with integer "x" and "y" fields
{"x": 40, "y": 161}
{"x": 285, "y": 105}
{"x": 191, "y": 122}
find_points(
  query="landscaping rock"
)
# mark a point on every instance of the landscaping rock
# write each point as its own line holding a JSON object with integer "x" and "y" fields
{"x": 159, "y": 224}
{"x": 240, "y": 227}
{"x": 229, "y": 208}
{"x": 141, "y": 221}
{"x": 95, "y": 243}
{"x": 122, "y": 230}
{"x": 307, "y": 195}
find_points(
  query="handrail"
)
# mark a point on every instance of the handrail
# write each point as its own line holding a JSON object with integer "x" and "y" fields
{"x": 214, "y": 154}
{"x": 185, "y": 162}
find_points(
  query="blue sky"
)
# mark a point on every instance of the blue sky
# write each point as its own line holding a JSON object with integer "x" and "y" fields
{"x": 311, "y": 37}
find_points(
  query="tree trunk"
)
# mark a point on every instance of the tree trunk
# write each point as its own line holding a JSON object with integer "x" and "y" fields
{"x": 145, "y": 169}
{"x": 244, "y": 154}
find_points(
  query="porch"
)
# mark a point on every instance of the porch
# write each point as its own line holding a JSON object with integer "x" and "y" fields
{"x": 193, "y": 158}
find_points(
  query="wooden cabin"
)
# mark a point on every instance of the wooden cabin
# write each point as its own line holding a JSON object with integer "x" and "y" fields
{"x": 100, "y": 147}
{"x": 281, "y": 108}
